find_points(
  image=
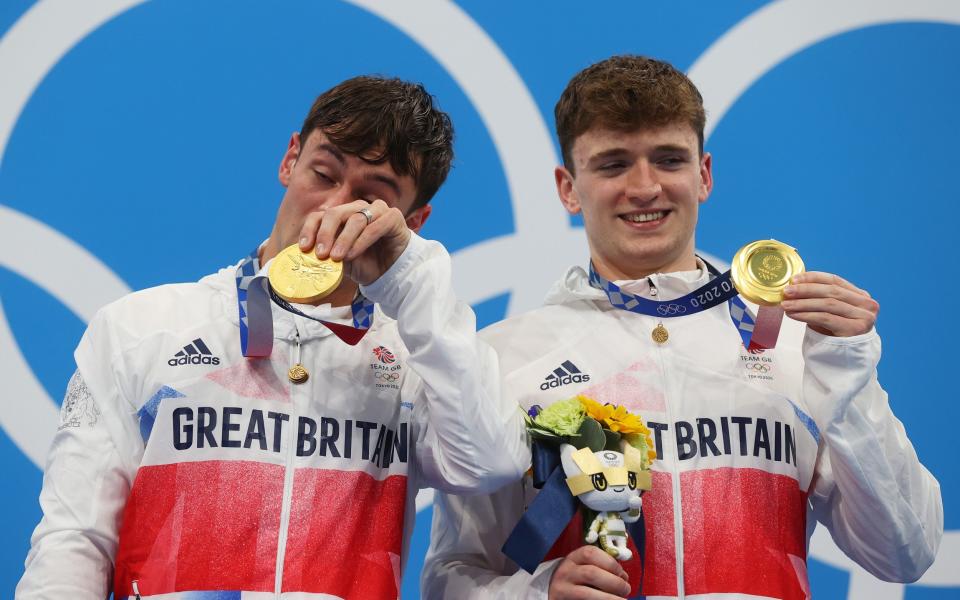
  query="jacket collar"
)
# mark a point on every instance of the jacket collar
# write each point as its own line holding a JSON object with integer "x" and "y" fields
{"x": 575, "y": 285}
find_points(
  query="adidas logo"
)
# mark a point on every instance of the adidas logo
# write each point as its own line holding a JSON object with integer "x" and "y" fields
{"x": 566, "y": 373}
{"x": 194, "y": 353}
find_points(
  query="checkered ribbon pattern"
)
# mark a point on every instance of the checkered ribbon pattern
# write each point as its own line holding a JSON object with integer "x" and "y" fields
{"x": 254, "y": 295}
{"x": 719, "y": 290}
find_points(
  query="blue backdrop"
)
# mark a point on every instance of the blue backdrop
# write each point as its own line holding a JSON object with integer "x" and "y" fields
{"x": 140, "y": 140}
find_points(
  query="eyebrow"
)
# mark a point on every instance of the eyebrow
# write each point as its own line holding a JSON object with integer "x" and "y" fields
{"x": 377, "y": 177}
{"x": 617, "y": 152}
{"x": 607, "y": 154}
{"x": 673, "y": 148}
{"x": 386, "y": 180}
{"x": 334, "y": 151}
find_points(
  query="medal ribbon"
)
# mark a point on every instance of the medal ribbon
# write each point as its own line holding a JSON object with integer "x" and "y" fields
{"x": 254, "y": 295}
{"x": 713, "y": 293}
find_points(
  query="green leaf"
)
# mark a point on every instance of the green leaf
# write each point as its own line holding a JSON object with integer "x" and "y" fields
{"x": 590, "y": 436}
{"x": 545, "y": 436}
{"x": 613, "y": 440}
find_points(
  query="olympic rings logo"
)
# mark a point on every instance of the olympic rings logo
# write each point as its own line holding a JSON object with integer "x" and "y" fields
{"x": 760, "y": 367}
{"x": 380, "y": 375}
{"x": 671, "y": 309}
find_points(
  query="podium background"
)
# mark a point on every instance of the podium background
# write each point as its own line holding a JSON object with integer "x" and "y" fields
{"x": 140, "y": 140}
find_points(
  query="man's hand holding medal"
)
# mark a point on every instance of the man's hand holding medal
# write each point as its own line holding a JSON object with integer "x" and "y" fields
{"x": 829, "y": 304}
{"x": 367, "y": 236}
{"x": 771, "y": 274}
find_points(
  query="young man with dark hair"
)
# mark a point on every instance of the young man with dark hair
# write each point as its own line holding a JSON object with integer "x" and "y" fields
{"x": 218, "y": 442}
{"x": 753, "y": 448}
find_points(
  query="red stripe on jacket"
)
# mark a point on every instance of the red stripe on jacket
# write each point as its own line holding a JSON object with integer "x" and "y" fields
{"x": 214, "y": 525}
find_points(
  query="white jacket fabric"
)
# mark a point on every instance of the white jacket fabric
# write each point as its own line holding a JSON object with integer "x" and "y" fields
{"x": 184, "y": 470}
{"x": 752, "y": 451}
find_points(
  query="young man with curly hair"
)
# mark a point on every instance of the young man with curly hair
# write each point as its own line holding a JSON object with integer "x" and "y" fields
{"x": 748, "y": 459}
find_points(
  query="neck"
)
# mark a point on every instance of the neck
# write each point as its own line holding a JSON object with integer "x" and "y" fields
{"x": 629, "y": 272}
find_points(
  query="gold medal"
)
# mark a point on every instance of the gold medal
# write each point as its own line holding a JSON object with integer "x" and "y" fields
{"x": 298, "y": 374}
{"x": 660, "y": 334}
{"x": 760, "y": 270}
{"x": 303, "y": 278}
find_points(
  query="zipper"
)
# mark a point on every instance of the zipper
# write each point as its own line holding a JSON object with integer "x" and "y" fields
{"x": 674, "y": 469}
{"x": 136, "y": 589}
{"x": 287, "y": 482}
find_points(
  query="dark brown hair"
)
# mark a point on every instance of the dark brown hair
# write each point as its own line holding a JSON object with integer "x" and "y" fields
{"x": 626, "y": 93}
{"x": 381, "y": 119}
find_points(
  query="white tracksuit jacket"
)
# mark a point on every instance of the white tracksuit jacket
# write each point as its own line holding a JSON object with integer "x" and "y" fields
{"x": 197, "y": 473}
{"x": 753, "y": 450}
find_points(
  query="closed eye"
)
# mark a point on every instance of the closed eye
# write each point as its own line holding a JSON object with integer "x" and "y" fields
{"x": 612, "y": 167}
{"x": 672, "y": 162}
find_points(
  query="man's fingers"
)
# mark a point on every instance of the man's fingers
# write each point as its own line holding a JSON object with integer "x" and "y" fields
{"x": 589, "y": 573}
{"x": 382, "y": 225}
{"x": 600, "y": 580}
{"x": 828, "y": 279}
{"x": 352, "y": 228}
{"x": 333, "y": 219}
{"x": 591, "y": 555}
{"x": 827, "y": 305}
{"x": 809, "y": 297}
{"x": 308, "y": 233}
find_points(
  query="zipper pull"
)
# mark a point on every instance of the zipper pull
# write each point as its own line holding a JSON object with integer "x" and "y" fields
{"x": 136, "y": 590}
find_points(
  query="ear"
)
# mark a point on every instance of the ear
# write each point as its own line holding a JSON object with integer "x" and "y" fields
{"x": 568, "y": 195}
{"x": 706, "y": 177}
{"x": 418, "y": 217}
{"x": 289, "y": 159}
{"x": 566, "y": 459}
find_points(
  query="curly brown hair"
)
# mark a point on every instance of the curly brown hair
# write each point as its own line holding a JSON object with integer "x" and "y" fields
{"x": 626, "y": 93}
{"x": 387, "y": 119}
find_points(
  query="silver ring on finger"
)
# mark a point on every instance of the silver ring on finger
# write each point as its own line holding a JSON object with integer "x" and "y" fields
{"x": 367, "y": 214}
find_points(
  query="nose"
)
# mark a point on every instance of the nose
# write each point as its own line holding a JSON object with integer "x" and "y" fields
{"x": 342, "y": 194}
{"x": 642, "y": 184}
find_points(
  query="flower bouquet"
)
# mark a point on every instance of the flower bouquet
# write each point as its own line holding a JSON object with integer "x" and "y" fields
{"x": 605, "y": 452}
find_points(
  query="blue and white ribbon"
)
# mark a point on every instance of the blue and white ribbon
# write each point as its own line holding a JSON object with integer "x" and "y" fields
{"x": 715, "y": 292}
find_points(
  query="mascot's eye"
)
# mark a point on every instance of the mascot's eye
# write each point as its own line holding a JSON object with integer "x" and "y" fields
{"x": 632, "y": 480}
{"x": 599, "y": 482}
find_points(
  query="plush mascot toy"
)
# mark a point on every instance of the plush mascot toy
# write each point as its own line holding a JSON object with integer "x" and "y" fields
{"x": 609, "y": 483}
{"x": 588, "y": 457}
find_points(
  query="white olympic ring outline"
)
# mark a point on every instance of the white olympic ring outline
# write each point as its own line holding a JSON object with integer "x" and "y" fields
{"x": 50, "y": 28}
{"x": 671, "y": 309}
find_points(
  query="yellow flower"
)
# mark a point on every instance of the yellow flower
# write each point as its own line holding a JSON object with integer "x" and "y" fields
{"x": 616, "y": 418}
{"x": 594, "y": 409}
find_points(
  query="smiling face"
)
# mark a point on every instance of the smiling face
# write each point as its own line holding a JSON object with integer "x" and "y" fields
{"x": 639, "y": 193}
{"x": 318, "y": 175}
